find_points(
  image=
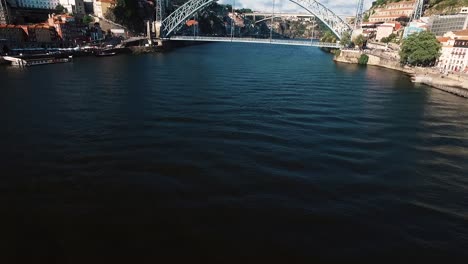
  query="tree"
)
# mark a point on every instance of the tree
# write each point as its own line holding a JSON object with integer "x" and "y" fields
{"x": 60, "y": 9}
{"x": 420, "y": 49}
{"x": 363, "y": 59}
{"x": 346, "y": 39}
{"x": 87, "y": 19}
{"x": 328, "y": 37}
{"x": 126, "y": 13}
{"x": 359, "y": 41}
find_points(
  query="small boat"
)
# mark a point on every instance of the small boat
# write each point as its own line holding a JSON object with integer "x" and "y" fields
{"x": 105, "y": 53}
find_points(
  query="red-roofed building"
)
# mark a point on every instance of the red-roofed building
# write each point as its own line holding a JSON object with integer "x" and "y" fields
{"x": 454, "y": 55}
{"x": 67, "y": 28}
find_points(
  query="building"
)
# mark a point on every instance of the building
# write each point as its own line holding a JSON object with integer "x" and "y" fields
{"x": 89, "y": 6}
{"x": 42, "y": 34}
{"x": 439, "y": 25}
{"x": 386, "y": 29}
{"x": 39, "y": 4}
{"x": 68, "y": 28}
{"x": 396, "y": 11}
{"x": 74, "y": 6}
{"x": 12, "y": 36}
{"x": 414, "y": 27}
{"x": 101, "y": 7}
{"x": 454, "y": 56}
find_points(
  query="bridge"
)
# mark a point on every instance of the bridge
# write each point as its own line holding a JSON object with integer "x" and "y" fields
{"x": 167, "y": 27}
{"x": 267, "y": 16}
{"x": 290, "y": 42}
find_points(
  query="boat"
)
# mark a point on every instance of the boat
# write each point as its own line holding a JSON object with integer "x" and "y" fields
{"x": 105, "y": 54}
{"x": 40, "y": 59}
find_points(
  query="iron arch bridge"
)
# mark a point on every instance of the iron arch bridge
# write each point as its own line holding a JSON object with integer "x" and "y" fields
{"x": 336, "y": 24}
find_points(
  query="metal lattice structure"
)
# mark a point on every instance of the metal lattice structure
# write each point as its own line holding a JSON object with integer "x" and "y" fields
{"x": 359, "y": 11}
{"x": 179, "y": 16}
{"x": 160, "y": 6}
{"x": 3, "y": 12}
{"x": 418, "y": 9}
{"x": 336, "y": 24}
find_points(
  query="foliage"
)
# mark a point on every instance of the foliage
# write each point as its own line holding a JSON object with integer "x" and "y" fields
{"x": 359, "y": 41}
{"x": 389, "y": 39}
{"x": 126, "y": 13}
{"x": 244, "y": 10}
{"x": 363, "y": 59}
{"x": 337, "y": 52}
{"x": 346, "y": 39}
{"x": 60, "y": 9}
{"x": 328, "y": 37}
{"x": 87, "y": 19}
{"x": 420, "y": 49}
{"x": 366, "y": 17}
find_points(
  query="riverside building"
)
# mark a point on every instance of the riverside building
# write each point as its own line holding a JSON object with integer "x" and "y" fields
{"x": 454, "y": 55}
{"x": 393, "y": 12}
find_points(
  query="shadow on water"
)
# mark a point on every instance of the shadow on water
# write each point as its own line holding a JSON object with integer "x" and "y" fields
{"x": 229, "y": 150}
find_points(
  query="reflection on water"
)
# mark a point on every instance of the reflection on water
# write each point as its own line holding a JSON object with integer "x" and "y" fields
{"x": 230, "y": 149}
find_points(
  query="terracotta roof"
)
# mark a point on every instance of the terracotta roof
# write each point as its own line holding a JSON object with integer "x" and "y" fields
{"x": 443, "y": 39}
{"x": 461, "y": 32}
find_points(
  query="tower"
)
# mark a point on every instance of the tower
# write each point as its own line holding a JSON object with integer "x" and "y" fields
{"x": 359, "y": 11}
{"x": 3, "y": 12}
{"x": 160, "y": 14}
{"x": 418, "y": 9}
{"x": 160, "y": 6}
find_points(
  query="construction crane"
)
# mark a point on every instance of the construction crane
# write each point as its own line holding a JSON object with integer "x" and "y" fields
{"x": 359, "y": 11}
{"x": 4, "y": 12}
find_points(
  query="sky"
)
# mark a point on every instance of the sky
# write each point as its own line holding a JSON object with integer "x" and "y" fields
{"x": 339, "y": 7}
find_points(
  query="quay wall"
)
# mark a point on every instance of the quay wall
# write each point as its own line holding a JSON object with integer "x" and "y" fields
{"x": 452, "y": 83}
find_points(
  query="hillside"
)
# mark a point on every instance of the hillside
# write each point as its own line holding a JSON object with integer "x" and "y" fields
{"x": 432, "y": 7}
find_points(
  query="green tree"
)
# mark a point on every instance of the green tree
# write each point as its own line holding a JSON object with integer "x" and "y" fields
{"x": 60, "y": 9}
{"x": 87, "y": 19}
{"x": 345, "y": 39}
{"x": 328, "y": 37}
{"x": 420, "y": 49}
{"x": 363, "y": 59}
{"x": 359, "y": 41}
{"x": 126, "y": 13}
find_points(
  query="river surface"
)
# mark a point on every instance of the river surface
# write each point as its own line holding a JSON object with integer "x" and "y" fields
{"x": 225, "y": 150}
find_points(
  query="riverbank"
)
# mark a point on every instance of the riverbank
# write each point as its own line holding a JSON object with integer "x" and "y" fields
{"x": 451, "y": 83}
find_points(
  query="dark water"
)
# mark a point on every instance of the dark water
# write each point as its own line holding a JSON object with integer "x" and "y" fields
{"x": 224, "y": 150}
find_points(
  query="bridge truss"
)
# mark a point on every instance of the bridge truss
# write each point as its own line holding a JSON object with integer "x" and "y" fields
{"x": 336, "y": 24}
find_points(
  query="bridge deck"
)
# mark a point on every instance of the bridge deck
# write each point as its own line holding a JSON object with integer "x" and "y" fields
{"x": 290, "y": 42}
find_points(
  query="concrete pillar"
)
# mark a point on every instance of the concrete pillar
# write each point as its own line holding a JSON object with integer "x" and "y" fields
{"x": 157, "y": 29}
{"x": 148, "y": 31}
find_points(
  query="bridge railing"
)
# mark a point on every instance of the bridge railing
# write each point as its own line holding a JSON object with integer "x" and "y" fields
{"x": 259, "y": 40}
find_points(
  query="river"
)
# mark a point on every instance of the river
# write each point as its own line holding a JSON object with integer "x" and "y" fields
{"x": 230, "y": 150}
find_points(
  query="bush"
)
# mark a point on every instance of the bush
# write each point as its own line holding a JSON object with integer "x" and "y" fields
{"x": 363, "y": 59}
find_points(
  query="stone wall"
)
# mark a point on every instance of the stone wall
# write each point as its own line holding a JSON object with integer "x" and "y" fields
{"x": 455, "y": 84}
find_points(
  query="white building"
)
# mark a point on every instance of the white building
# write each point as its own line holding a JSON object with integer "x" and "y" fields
{"x": 74, "y": 6}
{"x": 454, "y": 55}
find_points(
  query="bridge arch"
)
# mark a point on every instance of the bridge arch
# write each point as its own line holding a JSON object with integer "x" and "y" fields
{"x": 336, "y": 24}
